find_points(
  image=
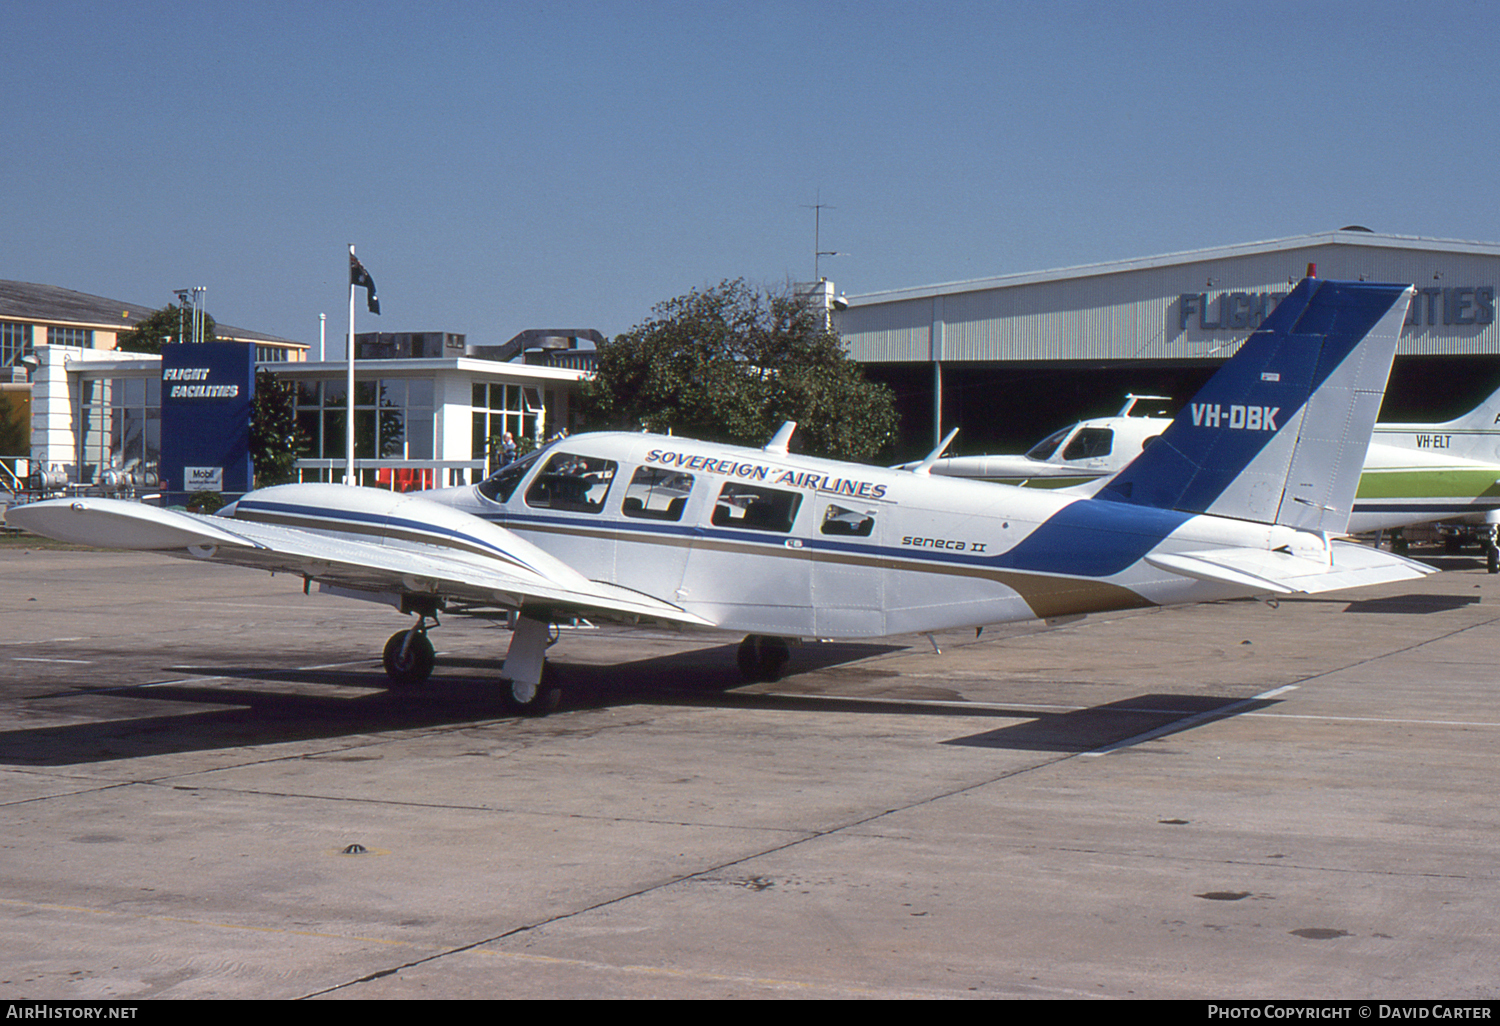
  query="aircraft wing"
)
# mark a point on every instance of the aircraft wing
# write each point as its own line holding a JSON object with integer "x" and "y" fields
{"x": 1351, "y": 566}
{"x": 348, "y": 562}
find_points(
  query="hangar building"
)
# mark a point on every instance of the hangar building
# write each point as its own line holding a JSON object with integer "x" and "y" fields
{"x": 1009, "y": 359}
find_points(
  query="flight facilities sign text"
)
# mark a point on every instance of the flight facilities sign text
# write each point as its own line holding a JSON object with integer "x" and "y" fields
{"x": 1431, "y": 307}
{"x": 174, "y": 384}
{"x": 206, "y": 394}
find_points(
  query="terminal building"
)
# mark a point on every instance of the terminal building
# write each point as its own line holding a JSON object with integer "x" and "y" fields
{"x": 428, "y": 405}
{"x": 45, "y": 315}
{"x": 1010, "y": 359}
{"x": 45, "y": 325}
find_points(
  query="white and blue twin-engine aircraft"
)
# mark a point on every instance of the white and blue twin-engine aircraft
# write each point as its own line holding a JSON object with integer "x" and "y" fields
{"x": 1238, "y": 497}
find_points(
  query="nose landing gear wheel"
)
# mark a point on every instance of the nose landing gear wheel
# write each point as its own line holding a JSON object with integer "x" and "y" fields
{"x": 407, "y": 665}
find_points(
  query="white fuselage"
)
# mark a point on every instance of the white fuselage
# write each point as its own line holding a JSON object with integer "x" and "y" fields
{"x": 1399, "y": 486}
{"x": 779, "y": 544}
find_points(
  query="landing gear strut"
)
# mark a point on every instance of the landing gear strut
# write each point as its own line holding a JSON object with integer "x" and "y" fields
{"x": 762, "y": 658}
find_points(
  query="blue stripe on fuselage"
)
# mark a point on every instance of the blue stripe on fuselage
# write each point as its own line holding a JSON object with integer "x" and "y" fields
{"x": 384, "y": 520}
{"x": 1083, "y": 539}
{"x": 1092, "y": 539}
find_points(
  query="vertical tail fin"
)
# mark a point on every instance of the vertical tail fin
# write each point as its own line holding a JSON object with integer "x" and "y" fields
{"x": 1278, "y": 435}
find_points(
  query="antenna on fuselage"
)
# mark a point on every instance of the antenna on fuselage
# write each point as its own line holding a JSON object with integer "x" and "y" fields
{"x": 925, "y": 467}
{"x": 783, "y": 438}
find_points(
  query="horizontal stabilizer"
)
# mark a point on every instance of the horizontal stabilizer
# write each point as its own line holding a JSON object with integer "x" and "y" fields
{"x": 1282, "y": 573}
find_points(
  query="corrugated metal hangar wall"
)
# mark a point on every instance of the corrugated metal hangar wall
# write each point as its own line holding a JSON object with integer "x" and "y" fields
{"x": 1009, "y": 359}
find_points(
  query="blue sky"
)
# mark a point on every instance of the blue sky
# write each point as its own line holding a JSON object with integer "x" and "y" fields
{"x": 508, "y": 165}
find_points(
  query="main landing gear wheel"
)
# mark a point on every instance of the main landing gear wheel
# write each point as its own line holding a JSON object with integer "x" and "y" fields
{"x": 408, "y": 658}
{"x": 533, "y": 699}
{"x": 762, "y": 658}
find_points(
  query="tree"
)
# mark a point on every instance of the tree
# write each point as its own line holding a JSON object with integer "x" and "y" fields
{"x": 170, "y": 323}
{"x": 275, "y": 440}
{"x": 730, "y": 364}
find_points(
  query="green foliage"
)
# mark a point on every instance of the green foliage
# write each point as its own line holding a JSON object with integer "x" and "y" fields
{"x": 164, "y": 326}
{"x": 205, "y": 502}
{"x": 730, "y": 364}
{"x": 275, "y": 441}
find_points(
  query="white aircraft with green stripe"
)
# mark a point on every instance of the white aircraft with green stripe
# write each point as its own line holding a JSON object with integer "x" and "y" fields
{"x": 1400, "y": 486}
{"x": 1474, "y": 436}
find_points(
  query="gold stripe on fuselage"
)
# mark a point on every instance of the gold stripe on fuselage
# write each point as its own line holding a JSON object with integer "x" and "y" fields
{"x": 1046, "y": 595}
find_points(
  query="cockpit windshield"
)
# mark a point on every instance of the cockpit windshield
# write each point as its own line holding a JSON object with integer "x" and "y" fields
{"x": 1047, "y": 446}
{"x": 500, "y": 485}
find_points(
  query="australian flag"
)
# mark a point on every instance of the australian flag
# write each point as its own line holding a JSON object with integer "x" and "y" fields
{"x": 360, "y": 278}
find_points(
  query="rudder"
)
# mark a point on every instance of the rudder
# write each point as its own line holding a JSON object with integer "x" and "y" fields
{"x": 1278, "y": 435}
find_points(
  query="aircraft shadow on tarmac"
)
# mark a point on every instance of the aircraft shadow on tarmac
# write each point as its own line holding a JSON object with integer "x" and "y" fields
{"x": 1113, "y": 724}
{"x": 245, "y": 716}
{"x": 1417, "y": 603}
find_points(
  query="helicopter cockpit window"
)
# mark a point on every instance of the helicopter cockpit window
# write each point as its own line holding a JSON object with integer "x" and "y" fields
{"x": 577, "y": 484}
{"x": 1090, "y": 443}
{"x": 838, "y": 520}
{"x": 657, "y": 494}
{"x": 1047, "y": 446}
{"x": 500, "y": 485}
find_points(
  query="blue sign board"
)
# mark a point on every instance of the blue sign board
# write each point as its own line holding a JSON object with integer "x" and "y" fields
{"x": 206, "y": 394}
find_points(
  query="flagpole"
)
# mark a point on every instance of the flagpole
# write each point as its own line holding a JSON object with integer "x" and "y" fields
{"x": 349, "y": 386}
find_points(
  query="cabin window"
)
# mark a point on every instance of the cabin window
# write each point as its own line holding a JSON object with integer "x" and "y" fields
{"x": 657, "y": 494}
{"x": 1090, "y": 443}
{"x": 849, "y": 522}
{"x": 500, "y": 485}
{"x": 577, "y": 484}
{"x": 755, "y": 508}
{"x": 1047, "y": 446}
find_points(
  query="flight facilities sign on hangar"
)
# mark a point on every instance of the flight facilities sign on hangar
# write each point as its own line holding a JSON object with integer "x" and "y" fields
{"x": 207, "y": 389}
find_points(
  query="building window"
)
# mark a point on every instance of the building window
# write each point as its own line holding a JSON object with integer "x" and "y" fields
{"x": 393, "y": 418}
{"x": 270, "y": 354}
{"x": 15, "y": 342}
{"x": 119, "y": 429}
{"x": 83, "y": 338}
{"x": 503, "y": 408}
